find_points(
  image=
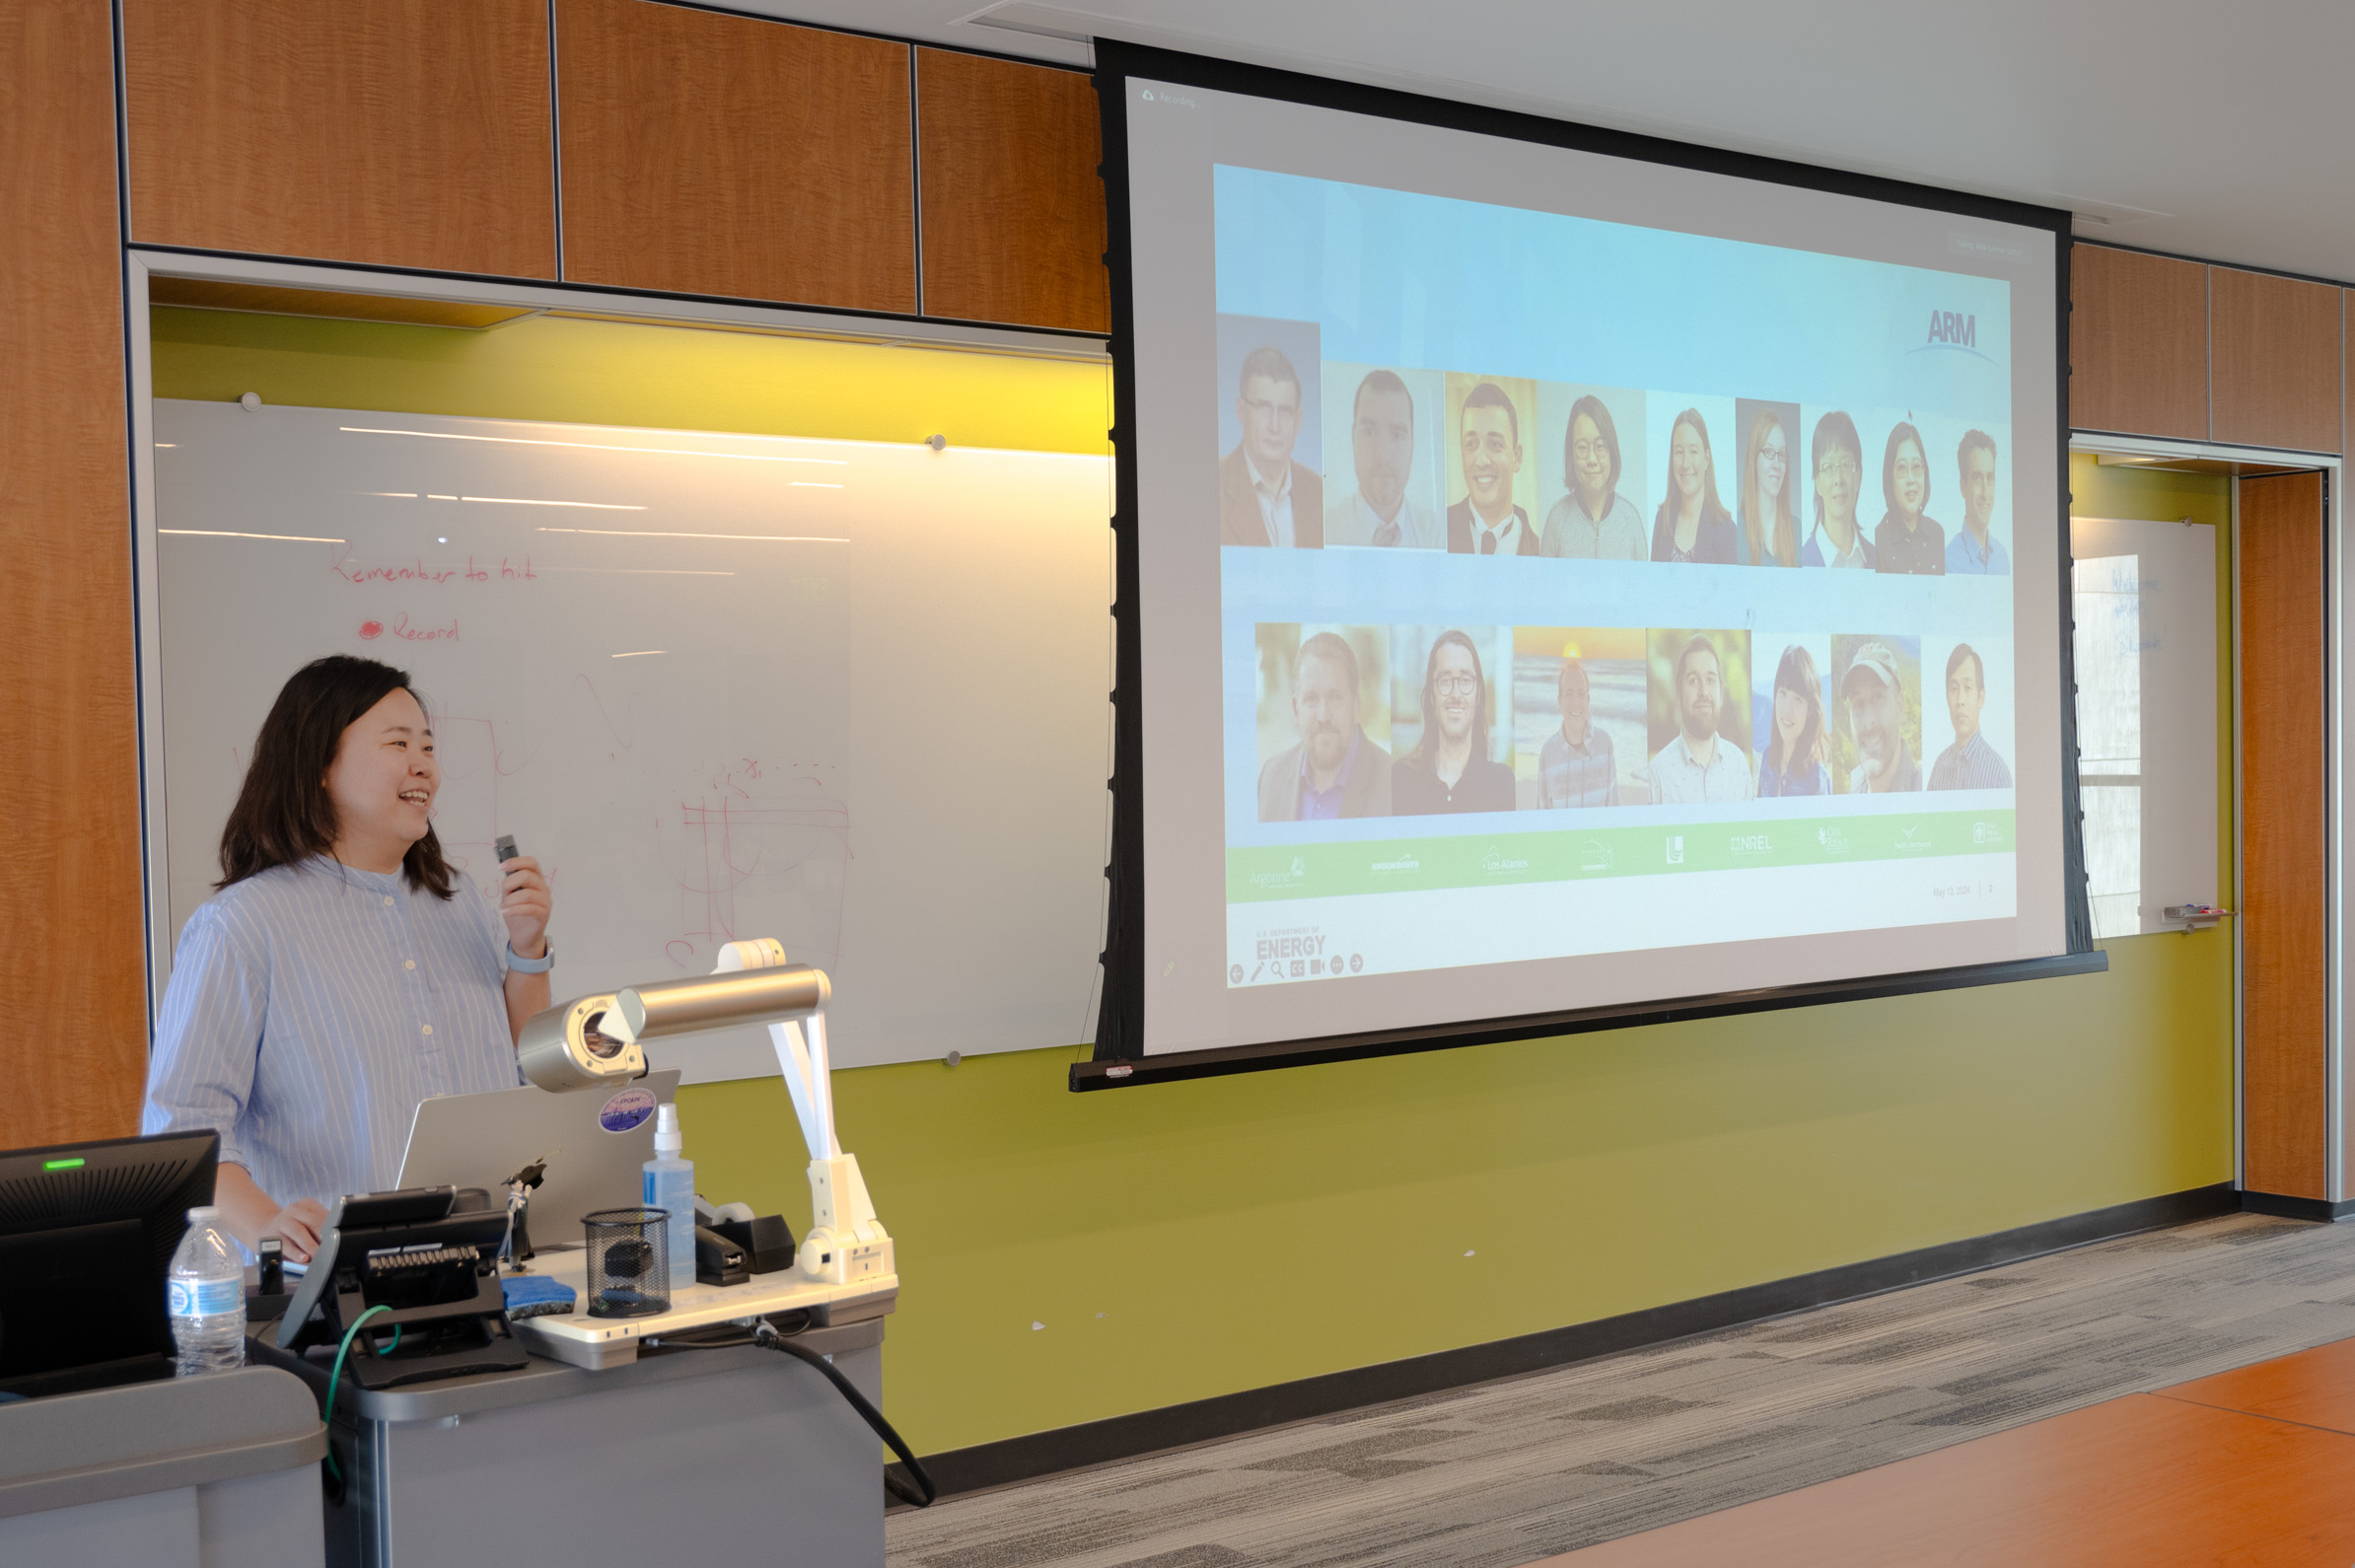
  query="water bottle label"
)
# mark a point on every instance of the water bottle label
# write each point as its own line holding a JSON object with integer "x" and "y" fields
{"x": 203, "y": 1297}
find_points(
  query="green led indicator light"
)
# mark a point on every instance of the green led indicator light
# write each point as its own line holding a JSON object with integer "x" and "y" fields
{"x": 61, "y": 1164}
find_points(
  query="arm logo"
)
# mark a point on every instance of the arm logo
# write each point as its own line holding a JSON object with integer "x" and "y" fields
{"x": 1952, "y": 332}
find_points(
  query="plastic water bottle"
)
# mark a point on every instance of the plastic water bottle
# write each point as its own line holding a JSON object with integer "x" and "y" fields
{"x": 205, "y": 1296}
{"x": 671, "y": 1184}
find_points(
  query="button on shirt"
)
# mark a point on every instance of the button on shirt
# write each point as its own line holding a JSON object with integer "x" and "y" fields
{"x": 1275, "y": 502}
{"x": 1355, "y": 522}
{"x": 1678, "y": 780}
{"x": 1919, "y": 549}
{"x": 1969, "y": 765}
{"x": 1324, "y": 806}
{"x": 311, "y": 1007}
{"x": 1965, "y": 555}
{"x": 1581, "y": 772}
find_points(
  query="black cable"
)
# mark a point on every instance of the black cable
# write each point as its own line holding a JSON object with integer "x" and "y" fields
{"x": 921, "y": 1495}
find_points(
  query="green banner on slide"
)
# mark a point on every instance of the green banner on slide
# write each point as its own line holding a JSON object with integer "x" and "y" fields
{"x": 1572, "y": 854}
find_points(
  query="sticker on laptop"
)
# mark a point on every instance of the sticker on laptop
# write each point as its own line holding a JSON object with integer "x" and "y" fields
{"x": 626, "y": 1111}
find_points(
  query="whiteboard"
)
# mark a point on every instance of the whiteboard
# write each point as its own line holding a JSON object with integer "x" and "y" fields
{"x": 2145, "y": 607}
{"x": 853, "y": 695}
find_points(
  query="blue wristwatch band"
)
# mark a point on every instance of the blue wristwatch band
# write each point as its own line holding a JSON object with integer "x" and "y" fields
{"x": 540, "y": 965}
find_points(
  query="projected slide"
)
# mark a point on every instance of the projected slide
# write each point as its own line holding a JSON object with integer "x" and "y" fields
{"x": 1594, "y": 740}
{"x": 1572, "y": 608}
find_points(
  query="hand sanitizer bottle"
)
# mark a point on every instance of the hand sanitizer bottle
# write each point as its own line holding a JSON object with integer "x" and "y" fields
{"x": 671, "y": 1184}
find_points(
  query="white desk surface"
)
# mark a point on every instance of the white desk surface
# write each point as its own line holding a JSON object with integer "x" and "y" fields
{"x": 598, "y": 1342}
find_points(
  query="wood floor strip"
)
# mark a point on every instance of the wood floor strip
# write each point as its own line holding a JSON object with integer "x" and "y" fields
{"x": 2142, "y": 1481}
{"x": 2314, "y": 1387}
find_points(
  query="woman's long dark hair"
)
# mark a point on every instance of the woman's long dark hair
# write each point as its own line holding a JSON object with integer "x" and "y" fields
{"x": 284, "y": 813}
{"x": 1797, "y": 673}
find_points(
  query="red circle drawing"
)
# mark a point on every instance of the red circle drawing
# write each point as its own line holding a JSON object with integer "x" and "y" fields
{"x": 370, "y": 629}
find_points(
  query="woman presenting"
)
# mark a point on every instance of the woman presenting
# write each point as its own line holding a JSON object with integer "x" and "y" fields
{"x": 343, "y": 971}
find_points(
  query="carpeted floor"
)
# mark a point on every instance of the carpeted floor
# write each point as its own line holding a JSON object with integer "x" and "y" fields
{"x": 1508, "y": 1472}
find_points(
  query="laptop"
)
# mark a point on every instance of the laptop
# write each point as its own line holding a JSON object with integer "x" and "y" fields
{"x": 593, "y": 1142}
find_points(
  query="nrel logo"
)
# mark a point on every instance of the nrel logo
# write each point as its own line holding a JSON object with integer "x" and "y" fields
{"x": 1950, "y": 326}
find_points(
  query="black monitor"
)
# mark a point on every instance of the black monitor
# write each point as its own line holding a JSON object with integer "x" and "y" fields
{"x": 87, "y": 1234}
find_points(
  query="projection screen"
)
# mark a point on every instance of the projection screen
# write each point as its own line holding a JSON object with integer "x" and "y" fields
{"x": 1565, "y": 578}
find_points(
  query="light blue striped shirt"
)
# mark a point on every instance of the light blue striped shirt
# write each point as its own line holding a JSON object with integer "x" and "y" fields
{"x": 311, "y": 1007}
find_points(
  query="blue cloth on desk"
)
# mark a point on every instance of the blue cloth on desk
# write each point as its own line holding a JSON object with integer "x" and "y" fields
{"x": 534, "y": 1295}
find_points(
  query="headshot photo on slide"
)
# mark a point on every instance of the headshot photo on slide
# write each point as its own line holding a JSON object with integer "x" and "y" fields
{"x": 1697, "y": 715}
{"x": 1836, "y": 532}
{"x": 1766, "y": 485}
{"x": 1579, "y": 727}
{"x": 1691, "y": 446}
{"x": 1383, "y": 428}
{"x": 1323, "y": 721}
{"x": 1453, "y": 741}
{"x": 1877, "y": 730}
{"x": 1970, "y": 710}
{"x": 1909, "y": 541}
{"x": 1492, "y": 480}
{"x": 1270, "y": 434}
{"x": 1591, "y": 472}
{"x": 1791, "y": 712}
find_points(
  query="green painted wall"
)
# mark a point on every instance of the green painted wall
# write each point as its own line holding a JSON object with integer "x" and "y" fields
{"x": 618, "y": 373}
{"x": 1067, "y": 1257}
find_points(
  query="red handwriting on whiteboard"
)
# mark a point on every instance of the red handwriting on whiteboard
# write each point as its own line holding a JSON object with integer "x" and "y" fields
{"x": 405, "y": 630}
{"x": 416, "y": 571}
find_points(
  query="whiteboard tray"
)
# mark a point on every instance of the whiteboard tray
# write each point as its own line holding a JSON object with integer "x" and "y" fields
{"x": 600, "y": 1342}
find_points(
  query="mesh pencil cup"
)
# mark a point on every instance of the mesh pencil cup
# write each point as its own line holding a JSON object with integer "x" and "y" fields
{"x": 628, "y": 1272}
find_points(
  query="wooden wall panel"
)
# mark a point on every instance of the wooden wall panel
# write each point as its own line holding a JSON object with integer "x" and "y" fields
{"x": 402, "y": 132}
{"x": 1011, "y": 206}
{"x": 73, "y": 953}
{"x": 2275, "y": 376}
{"x": 2283, "y": 909}
{"x": 711, "y": 154}
{"x": 2138, "y": 344}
